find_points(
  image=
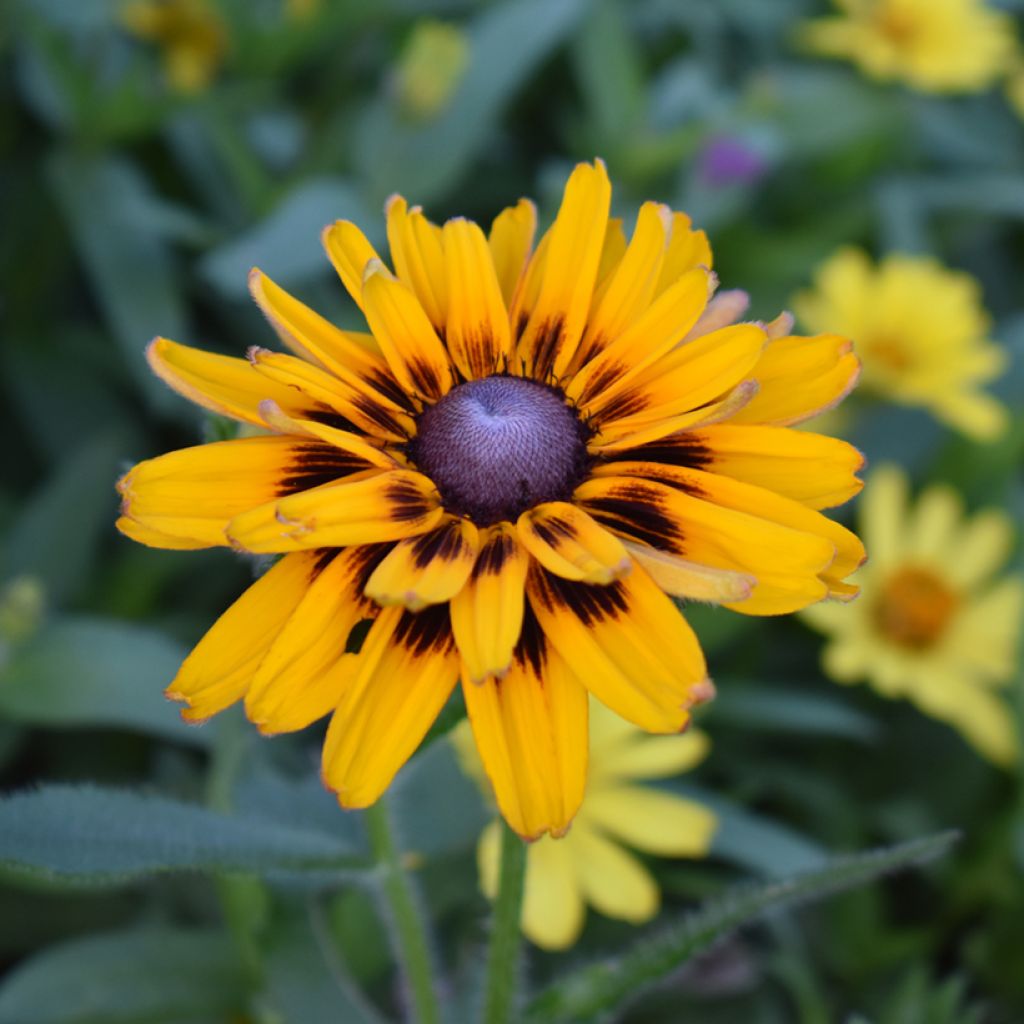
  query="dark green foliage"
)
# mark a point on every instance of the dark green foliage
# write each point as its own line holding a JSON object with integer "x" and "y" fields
{"x": 156, "y": 873}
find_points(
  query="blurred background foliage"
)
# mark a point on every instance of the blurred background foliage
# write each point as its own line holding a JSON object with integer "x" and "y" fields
{"x": 148, "y": 162}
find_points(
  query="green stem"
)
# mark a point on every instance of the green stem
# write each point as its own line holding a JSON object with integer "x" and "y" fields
{"x": 406, "y": 915}
{"x": 503, "y": 955}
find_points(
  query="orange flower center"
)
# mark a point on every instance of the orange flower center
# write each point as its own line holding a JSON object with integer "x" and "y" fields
{"x": 914, "y": 608}
{"x": 887, "y": 352}
{"x": 899, "y": 27}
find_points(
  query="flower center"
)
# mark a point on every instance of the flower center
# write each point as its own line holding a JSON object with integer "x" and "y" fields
{"x": 914, "y": 608}
{"x": 497, "y": 446}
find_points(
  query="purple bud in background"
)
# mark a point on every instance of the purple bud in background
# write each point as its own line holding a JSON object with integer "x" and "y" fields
{"x": 728, "y": 160}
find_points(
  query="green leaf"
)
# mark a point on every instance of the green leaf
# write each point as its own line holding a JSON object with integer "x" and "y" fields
{"x": 772, "y": 708}
{"x": 506, "y": 44}
{"x": 155, "y": 975}
{"x": 83, "y": 671}
{"x": 57, "y": 532}
{"x": 610, "y": 72}
{"x": 610, "y": 984}
{"x": 768, "y": 848}
{"x": 93, "y": 836}
{"x": 287, "y": 243}
{"x": 306, "y": 979}
{"x": 127, "y": 262}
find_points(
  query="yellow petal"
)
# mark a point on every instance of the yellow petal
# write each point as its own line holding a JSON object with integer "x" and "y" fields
{"x": 566, "y": 541}
{"x": 155, "y": 538}
{"x": 982, "y": 717}
{"x": 406, "y": 336}
{"x": 652, "y": 821}
{"x": 612, "y": 880}
{"x": 732, "y": 494}
{"x": 221, "y": 666}
{"x": 418, "y": 255}
{"x": 510, "y": 240}
{"x": 531, "y": 732}
{"x": 626, "y": 292}
{"x": 407, "y": 669}
{"x": 305, "y": 670}
{"x": 686, "y": 249}
{"x": 681, "y": 578}
{"x": 658, "y": 329}
{"x": 478, "y": 336}
{"x": 371, "y": 389}
{"x": 349, "y": 252}
{"x": 427, "y": 569}
{"x": 550, "y": 337}
{"x": 816, "y": 470}
{"x": 223, "y": 384}
{"x": 689, "y": 377}
{"x": 982, "y": 546}
{"x": 883, "y": 514}
{"x": 799, "y": 378}
{"x": 553, "y": 910}
{"x": 375, "y": 507}
{"x": 785, "y": 562}
{"x": 348, "y": 441}
{"x": 487, "y": 613}
{"x": 192, "y": 494}
{"x": 724, "y": 310}
{"x": 604, "y": 634}
{"x": 635, "y": 755}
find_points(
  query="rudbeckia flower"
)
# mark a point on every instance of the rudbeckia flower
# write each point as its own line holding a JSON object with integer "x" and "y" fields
{"x": 943, "y": 46}
{"x": 920, "y": 330}
{"x": 934, "y": 624}
{"x": 510, "y": 474}
{"x": 590, "y": 864}
{"x": 190, "y": 34}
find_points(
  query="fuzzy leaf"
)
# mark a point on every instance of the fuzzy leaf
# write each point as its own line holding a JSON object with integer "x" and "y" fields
{"x": 610, "y": 984}
{"x": 93, "y": 836}
{"x": 82, "y": 671}
{"x": 157, "y": 975}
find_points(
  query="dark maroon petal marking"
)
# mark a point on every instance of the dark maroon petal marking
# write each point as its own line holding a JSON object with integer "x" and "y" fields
{"x": 425, "y": 632}
{"x": 674, "y": 451}
{"x": 316, "y": 463}
{"x": 636, "y": 510}
{"x": 589, "y": 602}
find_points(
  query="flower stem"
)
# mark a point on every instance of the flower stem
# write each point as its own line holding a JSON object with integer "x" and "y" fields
{"x": 503, "y": 955}
{"x": 408, "y": 926}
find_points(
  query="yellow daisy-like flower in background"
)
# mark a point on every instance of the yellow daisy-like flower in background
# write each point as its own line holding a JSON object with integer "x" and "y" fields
{"x": 921, "y": 334}
{"x": 933, "y": 624}
{"x": 943, "y": 46}
{"x": 510, "y": 474}
{"x": 191, "y": 36}
{"x": 589, "y": 865}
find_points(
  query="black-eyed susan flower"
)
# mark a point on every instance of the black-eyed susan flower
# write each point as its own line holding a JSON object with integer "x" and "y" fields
{"x": 510, "y": 474}
{"x": 190, "y": 34}
{"x": 921, "y": 332}
{"x": 934, "y": 624}
{"x": 592, "y": 864}
{"x": 943, "y": 46}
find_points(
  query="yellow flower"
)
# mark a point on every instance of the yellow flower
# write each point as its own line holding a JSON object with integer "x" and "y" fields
{"x": 588, "y": 864}
{"x": 190, "y": 34}
{"x": 932, "y": 624}
{"x": 920, "y": 331}
{"x": 530, "y": 450}
{"x": 943, "y": 46}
